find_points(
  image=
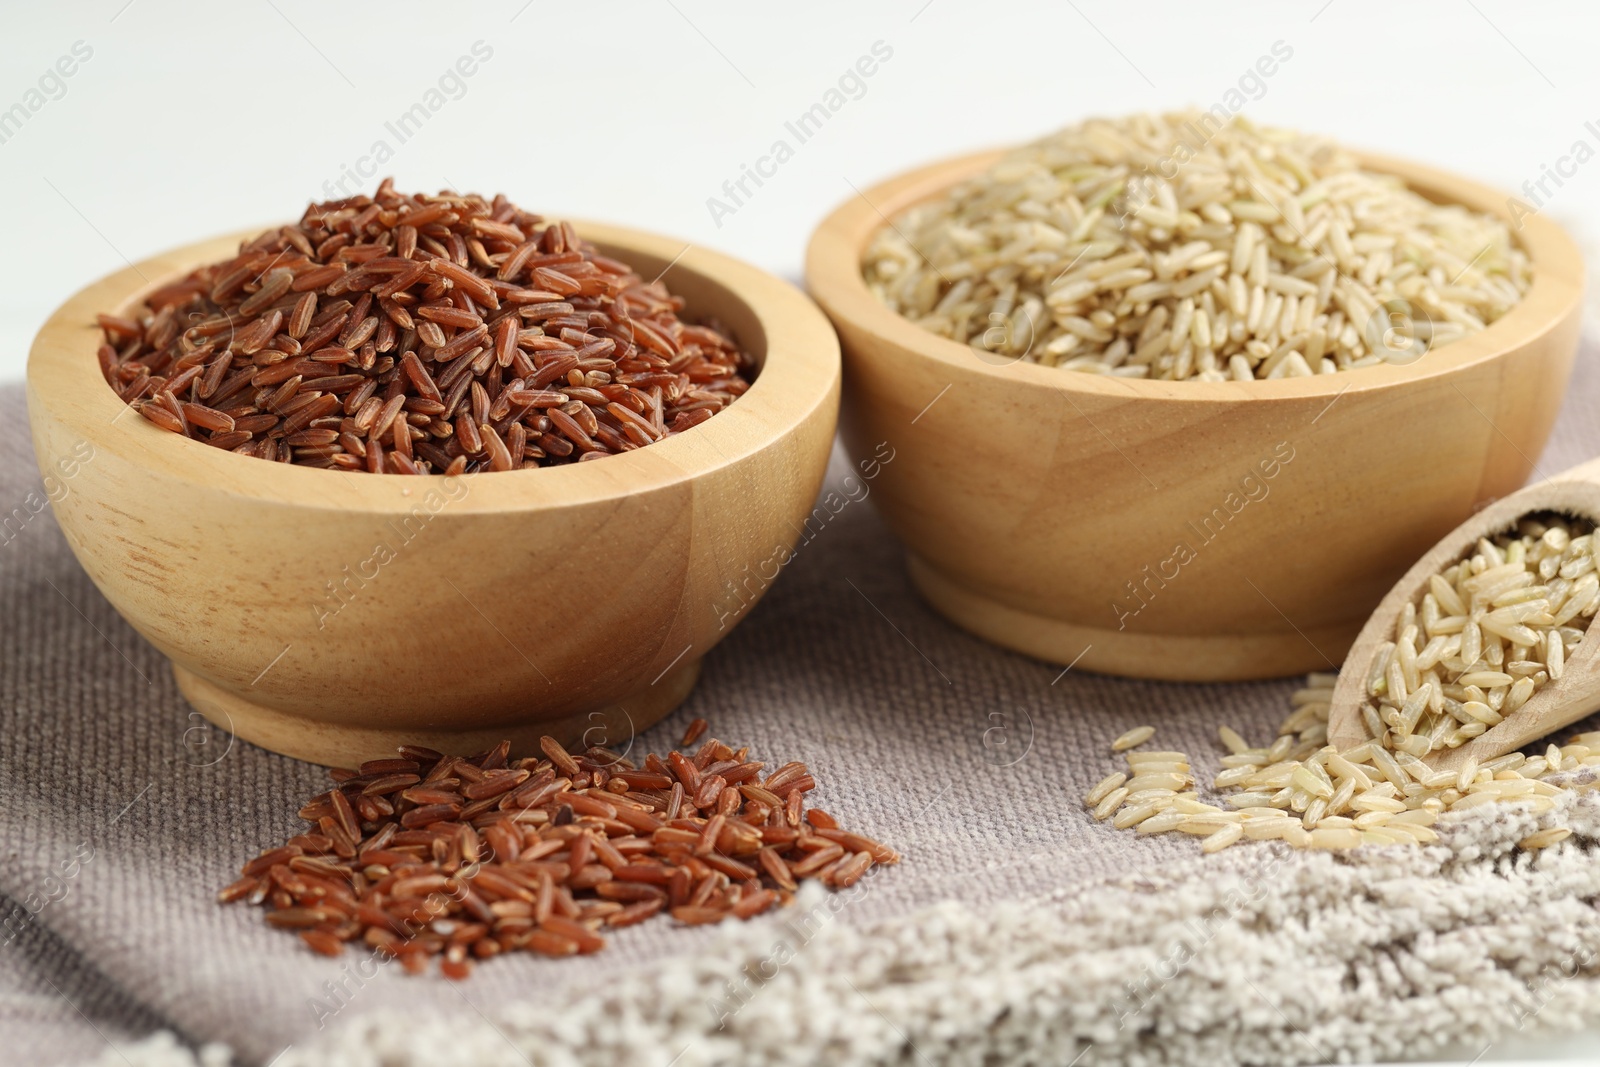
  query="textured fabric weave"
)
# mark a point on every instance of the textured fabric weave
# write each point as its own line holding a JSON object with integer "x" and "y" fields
{"x": 121, "y": 815}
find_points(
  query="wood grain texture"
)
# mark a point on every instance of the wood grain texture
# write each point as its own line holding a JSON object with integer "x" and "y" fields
{"x": 332, "y": 615}
{"x": 1129, "y": 526}
{"x": 1558, "y": 703}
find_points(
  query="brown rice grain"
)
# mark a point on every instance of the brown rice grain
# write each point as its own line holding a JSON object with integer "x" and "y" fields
{"x": 1133, "y": 738}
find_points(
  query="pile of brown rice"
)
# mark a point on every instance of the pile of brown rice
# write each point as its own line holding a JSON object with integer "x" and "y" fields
{"x": 1485, "y": 635}
{"x": 420, "y": 334}
{"x": 1179, "y": 247}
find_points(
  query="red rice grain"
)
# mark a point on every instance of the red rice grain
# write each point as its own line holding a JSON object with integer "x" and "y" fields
{"x": 693, "y": 733}
{"x": 463, "y": 858}
{"x": 507, "y": 341}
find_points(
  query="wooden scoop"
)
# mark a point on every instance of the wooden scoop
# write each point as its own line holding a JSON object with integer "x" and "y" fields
{"x": 1559, "y": 703}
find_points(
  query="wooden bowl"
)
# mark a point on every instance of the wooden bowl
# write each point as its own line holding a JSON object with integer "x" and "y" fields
{"x": 1184, "y": 530}
{"x": 332, "y": 616}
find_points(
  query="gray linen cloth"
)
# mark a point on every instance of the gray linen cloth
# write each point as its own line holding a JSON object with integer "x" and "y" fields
{"x": 1017, "y": 929}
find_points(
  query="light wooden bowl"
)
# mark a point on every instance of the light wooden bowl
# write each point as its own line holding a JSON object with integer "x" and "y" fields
{"x": 1043, "y": 509}
{"x": 332, "y": 616}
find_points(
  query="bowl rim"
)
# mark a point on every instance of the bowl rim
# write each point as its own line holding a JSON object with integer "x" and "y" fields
{"x": 799, "y": 376}
{"x": 834, "y": 279}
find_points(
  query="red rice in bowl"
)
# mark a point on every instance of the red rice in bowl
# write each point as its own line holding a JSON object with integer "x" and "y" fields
{"x": 411, "y": 334}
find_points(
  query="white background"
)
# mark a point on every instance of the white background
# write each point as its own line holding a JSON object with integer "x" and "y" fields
{"x": 189, "y": 121}
{"x": 193, "y": 120}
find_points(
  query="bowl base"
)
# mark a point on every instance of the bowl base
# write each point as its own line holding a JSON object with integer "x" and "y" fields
{"x": 1232, "y": 657}
{"x": 335, "y": 745}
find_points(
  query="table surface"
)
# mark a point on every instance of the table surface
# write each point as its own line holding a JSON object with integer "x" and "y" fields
{"x": 168, "y": 127}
